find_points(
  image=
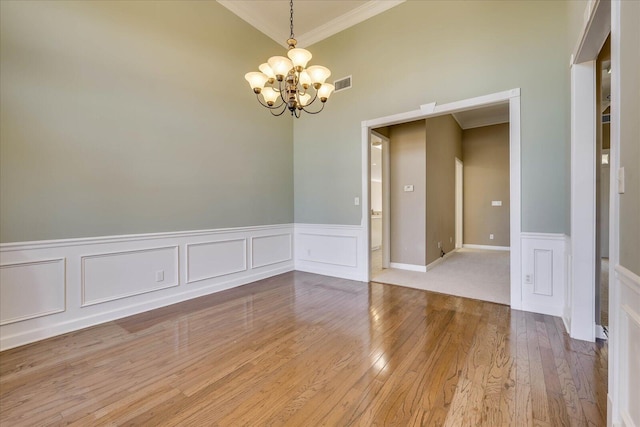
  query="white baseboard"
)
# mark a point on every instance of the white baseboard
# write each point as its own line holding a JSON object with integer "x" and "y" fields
{"x": 439, "y": 260}
{"x": 408, "y": 267}
{"x": 84, "y": 282}
{"x": 600, "y": 333}
{"x": 486, "y": 247}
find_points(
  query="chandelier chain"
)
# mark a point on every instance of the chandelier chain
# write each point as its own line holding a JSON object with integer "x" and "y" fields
{"x": 291, "y": 18}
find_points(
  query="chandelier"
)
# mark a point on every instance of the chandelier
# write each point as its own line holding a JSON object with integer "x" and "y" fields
{"x": 298, "y": 87}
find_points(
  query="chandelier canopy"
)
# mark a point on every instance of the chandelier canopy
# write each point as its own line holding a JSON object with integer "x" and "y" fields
{"x": 298, "y": 86}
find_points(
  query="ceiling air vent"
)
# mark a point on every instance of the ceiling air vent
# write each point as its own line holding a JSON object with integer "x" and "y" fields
{"x": 342, "y": 84}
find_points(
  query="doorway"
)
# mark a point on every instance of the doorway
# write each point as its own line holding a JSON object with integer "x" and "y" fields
{"x": 379, "y": 200}
{"x": 512, "y": 99}
{"x": 602, "y": 199}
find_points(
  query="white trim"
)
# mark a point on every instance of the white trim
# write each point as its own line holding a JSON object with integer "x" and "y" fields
{"x": 597, "y": 26}
{"x": 629, "y": 278}
{"x": 615, "y": 379}
{"x": 459, "y": 203}
{"x": 342, "y": 22}
{"x": 487, "y": 247}
{"x": 349, "y": 19}
{"x": 583, "y": 200}
{"x": 42, "y": 244}
{"x": 63, "y": 281}
{"x": 511, "y": 96}
{"x": 600, "y": 333}
{"x": 83, "y": 282}
{"x": 80, "y": 314}
{"x": 434, "y": 263}
{"x": 331, "y": 250}
{"x": 543, "y": 236}
{"x": 188, "y": 246}
{"x": 408, "y": 267}
{"x": 386, "y": 200}
{"x": 288, "y": 257}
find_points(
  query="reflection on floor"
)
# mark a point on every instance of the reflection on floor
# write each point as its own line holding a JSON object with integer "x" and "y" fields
{"x": 471, "y": 273}
{"x": 604, "y": 292}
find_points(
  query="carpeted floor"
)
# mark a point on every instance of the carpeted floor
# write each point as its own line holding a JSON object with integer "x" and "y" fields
{"x": 471, "y": 273}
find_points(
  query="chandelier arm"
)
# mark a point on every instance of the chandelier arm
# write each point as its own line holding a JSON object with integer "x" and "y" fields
{"x": 281, "y": 112}
{"x": 313, "y": 112}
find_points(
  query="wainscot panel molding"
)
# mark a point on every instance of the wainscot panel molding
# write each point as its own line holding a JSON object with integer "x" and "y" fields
{"x": 271, "y": 249}
{"x": 207, "y": 260}
{"x": 53, "y": 287}
{"x": 544, "y": 276}
{"x": 331, "y": 250}
{"x": 44, "y": 278}
{"x": 114, "y": 275}
{"x": 626, "y": 296}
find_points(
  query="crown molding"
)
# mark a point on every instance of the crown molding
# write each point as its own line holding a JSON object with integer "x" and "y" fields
{"x": 342, "y": 22}
{"x": 349, "y": 19}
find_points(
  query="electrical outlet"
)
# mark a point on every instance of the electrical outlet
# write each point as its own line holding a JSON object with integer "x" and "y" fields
{"x": 439, "y": 245}
{"x": 160, "y": 276}
{"x": 528, "y": 278}
{"x": 490, "y": 236}
{"x": 356, "y": 201}
{"x": 450, "y": 239}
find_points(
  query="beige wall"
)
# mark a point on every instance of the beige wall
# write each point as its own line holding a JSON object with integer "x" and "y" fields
{"x": 629, "y": 135}
{"x": 444, "y": 144}
{"x": 485, "y": 154}
{"x": 407, "y": 163}
{"x": 122, "y": 117}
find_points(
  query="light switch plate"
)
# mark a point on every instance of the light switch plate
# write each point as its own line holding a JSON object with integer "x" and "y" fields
{"x": 496, "y": 203}
{"x": 408, "y": 188}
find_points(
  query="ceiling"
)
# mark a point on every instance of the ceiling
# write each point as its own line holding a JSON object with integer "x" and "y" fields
{"x": 484, "y": 116}
{"x": 314, "y": 20}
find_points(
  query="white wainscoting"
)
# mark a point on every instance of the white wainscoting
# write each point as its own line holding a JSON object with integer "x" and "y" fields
{"x": 52, "y": 287}
{"x": 625, "y": 306}
{"x": 332, "y": 250}
{"x": 544, "y": 272}
{"x": 115, "y": 275}
{"x": 31, "y": 289}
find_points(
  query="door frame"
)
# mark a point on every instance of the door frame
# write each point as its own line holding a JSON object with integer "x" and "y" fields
{"x": 512, "y": 97}
{"x": 459, "y": 203}
{"x": 386, "y": 202}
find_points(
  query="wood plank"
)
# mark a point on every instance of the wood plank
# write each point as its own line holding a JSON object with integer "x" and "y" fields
{"x": 302, "y": 349}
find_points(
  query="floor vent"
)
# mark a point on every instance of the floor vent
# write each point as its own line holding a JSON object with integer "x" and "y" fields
{"x": 342, "y": 84}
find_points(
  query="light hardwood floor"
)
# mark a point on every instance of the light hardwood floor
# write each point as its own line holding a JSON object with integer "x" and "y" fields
{"x": 304, "y": 350}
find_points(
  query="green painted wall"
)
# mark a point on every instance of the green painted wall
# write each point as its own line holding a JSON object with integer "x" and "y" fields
{"x": 443, "y": 51}
{"x": 134, "y": 117}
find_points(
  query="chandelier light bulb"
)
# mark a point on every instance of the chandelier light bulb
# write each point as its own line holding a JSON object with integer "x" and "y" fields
{"x": 318, "y": 74}
{"x": 299, "y": 57}
{"x": 256, "y": 80}
{"x": 269, "y": 95}
{"x": 268, "y": 72}
{"x": 325, "y": 91}
{"x": 280, "y": 66}
{"x": 304, "y": 79}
